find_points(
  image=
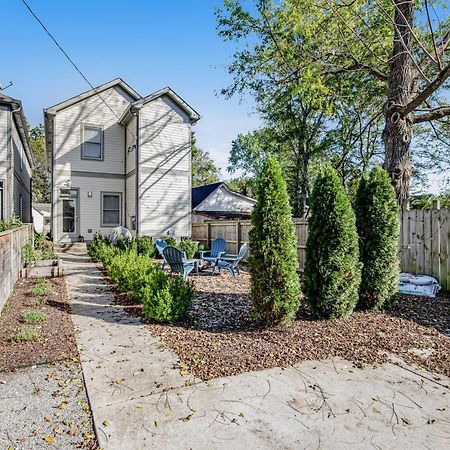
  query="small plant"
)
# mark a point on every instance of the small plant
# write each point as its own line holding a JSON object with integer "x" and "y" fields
{"x": 273, "y": 261}
{"x": 332, "y": 269}
{"x": 41, "y": 288}
{"x": 169, "y": 240}
{"x": 26, "y": 334}
{"x": 96, "y": 248}
{"x": 28, "y": 254}
{"x": 144, "y": 246}
{"x": 32, "y": 317}
{"x": 190, "y": 247}
{"x": 166, "y": 298}
{"x": 14, "y": 222}
{"x": 41, "y": 249}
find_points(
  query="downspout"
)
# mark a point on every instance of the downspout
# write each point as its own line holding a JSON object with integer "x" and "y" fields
{"x": 135, "y": 111}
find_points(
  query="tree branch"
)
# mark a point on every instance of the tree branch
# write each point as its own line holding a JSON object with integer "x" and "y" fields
{"x": 433, "y": 114}
{"x": 440, "y": 49}
{"x": 423, "y": 95}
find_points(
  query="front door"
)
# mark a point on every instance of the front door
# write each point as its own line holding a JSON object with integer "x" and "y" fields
{"x": 69, "y": 214}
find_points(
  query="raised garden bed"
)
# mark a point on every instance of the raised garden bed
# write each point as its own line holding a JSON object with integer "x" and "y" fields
{"x": 45, "y": 268}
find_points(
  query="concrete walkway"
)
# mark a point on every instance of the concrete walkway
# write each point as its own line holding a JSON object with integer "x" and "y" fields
{"x": 140, "y": 400}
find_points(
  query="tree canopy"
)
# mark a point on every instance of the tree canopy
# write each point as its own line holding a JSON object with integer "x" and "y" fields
{"x": 204, "y": 171}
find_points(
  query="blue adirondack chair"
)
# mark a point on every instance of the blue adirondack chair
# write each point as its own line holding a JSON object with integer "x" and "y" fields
{"x": 231, "y": 262}
{"x": 177, "y": 261}
{"x": 218, "y": 247}
{"x": 160, "y": 246}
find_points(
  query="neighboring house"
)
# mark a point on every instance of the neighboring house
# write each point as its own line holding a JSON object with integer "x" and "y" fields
{"x": 218, "y": 201}
{"x": 41, "y": 217}
{"x": 117, "y": 158}
{"x": 16, "y": 161}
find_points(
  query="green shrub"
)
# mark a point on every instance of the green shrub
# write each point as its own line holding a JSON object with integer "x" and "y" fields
{"x": 96, "y": 247}
{"x": 145, "y": 246}
{"x": 131, "y": 271}
{"x": 378, "y": 224}
{"x": 332, "y": 268}
{"x": 32, "y": 317}
{"x": 26, "y": 334}
{"x": 41, "y": 289}
{"x": 169, "y": 240}
{"x": 14, "y": 222}
{"x": 166, "y": 298}
{"x": 273, "y": 260}
{"x": 41, "y": 249}
{"x": 191, "y": 247}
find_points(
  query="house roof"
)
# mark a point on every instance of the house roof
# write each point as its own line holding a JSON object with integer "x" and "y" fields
{"x": 201, "y": 193}
{"x": 21, "y": 123}
{"x": 193, "y": 115}
{"x": 44, "y": 208}
{"x": 117, "y": 82}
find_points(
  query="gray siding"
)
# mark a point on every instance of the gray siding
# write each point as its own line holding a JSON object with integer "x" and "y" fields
{"x": 165, "y": 162}
{"x": 15, "y": 170}
{"x": 68, "y": 164}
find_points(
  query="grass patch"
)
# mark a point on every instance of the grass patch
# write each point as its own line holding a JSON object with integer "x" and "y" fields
{"x": 26, "y": 334}
{"x": 41, "y": 288}
{"x": 32, "y": 317}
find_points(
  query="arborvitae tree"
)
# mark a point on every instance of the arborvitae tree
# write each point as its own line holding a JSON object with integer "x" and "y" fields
{"x": 332, "y": 268}
{"x": 273, "y": 261}
{"x": 378, "y": 223}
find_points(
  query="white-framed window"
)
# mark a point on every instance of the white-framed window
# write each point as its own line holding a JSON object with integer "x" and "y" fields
{"x": 92, "y": 143}
{"x": 111, "y": 209}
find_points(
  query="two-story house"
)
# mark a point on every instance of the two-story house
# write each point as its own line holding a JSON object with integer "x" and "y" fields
{"x": 117, "y": 158}
{"x": 16, "y": 161}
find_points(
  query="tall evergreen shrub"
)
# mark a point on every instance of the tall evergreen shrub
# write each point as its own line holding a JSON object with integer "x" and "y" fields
{"x": 273, "y": 262}
{"x": 332, "y": 267}
{"x": 378, "y": 223}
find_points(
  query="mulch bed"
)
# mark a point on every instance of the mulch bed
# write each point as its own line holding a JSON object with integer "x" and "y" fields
{"x": 56, "y": 341}
{"x": 219, "y": 338}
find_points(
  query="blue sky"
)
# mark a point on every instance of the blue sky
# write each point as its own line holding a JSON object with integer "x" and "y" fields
{"x": 150, "y": 44}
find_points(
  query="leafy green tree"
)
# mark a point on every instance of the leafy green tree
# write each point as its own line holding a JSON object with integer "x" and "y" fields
{"x": 378, "y": 224}
{"x": 204, "y": 171}
{"x": 273, "y": 261}
{"x": 243, "y": 185}
{"x": 41, "y": 177}
{"x": 332, "y": 268}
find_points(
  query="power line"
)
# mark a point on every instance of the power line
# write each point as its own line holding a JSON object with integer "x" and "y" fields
{"x": 71, "y": 61}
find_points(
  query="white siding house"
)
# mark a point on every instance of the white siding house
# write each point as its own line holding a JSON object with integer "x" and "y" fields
{"x": 120, "y": 159}
{"x": 218, "y": 201}
{"x": 16, "y": 161}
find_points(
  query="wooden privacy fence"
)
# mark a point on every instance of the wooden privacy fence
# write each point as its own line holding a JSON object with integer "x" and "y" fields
{"x": 11, "y": 244}
{"x": 423, "y": 246}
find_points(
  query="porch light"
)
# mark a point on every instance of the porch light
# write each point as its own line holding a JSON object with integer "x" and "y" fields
{"x": 89, "y": 194}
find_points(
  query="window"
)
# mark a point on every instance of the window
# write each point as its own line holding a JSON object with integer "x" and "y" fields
{"x": 92, "y": 147}
{"x": 111, "y": 209}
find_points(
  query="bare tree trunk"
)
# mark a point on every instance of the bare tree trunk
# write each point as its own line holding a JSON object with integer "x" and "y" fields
{"x": 397, "y": 133}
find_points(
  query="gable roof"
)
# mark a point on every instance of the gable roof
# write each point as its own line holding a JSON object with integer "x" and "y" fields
{"x": 21, "y": 123}
{"x": 193, "y": 115}
{"x": 90, "y": 93}
{"x": 201, "y": 192}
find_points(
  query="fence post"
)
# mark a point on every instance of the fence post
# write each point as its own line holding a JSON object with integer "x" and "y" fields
{"x": 238, "y": 235}
{"x": 208, "y": 235}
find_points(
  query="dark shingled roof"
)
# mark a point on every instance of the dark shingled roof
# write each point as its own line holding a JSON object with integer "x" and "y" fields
{"x": 200, "y": 193}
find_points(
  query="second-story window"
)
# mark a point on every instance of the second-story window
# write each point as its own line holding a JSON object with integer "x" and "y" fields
{"x": 92, "y": 143}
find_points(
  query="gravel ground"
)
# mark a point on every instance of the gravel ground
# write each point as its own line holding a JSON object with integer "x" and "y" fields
{"x": 45, "y": 407}
{"x": 218, "y": 337}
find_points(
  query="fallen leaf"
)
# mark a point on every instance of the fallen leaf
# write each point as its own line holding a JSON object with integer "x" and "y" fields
{"x": 105, "y": 423}
{"x": 49, "y": 439}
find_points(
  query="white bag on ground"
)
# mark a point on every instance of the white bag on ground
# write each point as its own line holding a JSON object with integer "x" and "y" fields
{"x": 422, "y": 285}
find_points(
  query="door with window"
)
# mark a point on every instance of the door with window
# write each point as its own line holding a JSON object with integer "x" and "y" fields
{"x": 69, "y": 214}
